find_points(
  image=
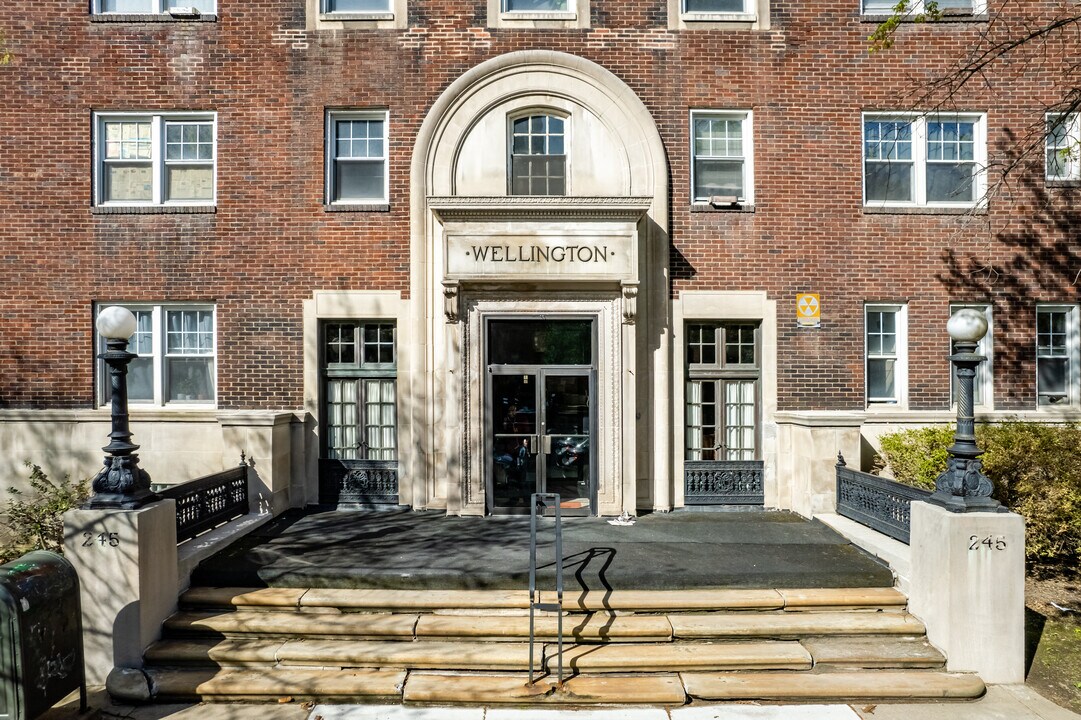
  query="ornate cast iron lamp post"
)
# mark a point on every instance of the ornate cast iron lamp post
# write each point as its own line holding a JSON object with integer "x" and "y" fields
{"x": 964, "y": 487}
{"x": 121, "y": 483}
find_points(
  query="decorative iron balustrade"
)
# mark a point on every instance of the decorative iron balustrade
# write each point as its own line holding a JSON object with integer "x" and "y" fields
{"x": 358, "y": 482}
{"x": 723, "y": 482}
{"x": 210, "y": 501}
{"x": 878, "y": 503}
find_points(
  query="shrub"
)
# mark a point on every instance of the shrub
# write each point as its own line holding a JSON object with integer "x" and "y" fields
{"x": 917, "y": 457}
{"x": 35, "y": 519}
{"x": 1036, "y": 470}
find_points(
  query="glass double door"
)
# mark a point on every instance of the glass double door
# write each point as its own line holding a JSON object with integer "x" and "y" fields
{"x": 541, "y": 437}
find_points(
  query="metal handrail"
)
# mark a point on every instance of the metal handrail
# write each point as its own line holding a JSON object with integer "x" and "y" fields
{"x": 542, "y": 499}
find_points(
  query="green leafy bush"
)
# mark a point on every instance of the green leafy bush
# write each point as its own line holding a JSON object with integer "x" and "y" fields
{"x": 916, "y": 457}
{"x": 35, "y": 518}
{"x": 1036, "y": 469}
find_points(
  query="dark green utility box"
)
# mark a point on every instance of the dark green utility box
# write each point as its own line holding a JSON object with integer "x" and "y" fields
{"x": 41, "y": 635}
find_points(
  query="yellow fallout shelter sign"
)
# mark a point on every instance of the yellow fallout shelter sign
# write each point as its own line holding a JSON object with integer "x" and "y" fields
{"x": 808, "y": 310}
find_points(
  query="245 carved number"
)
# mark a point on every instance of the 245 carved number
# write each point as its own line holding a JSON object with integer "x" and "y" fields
{"x": 111, "y": 539}
{"x": 975, "y": 542}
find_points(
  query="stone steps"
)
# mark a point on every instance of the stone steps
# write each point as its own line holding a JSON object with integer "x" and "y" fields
{"x": 580, "y": 601}
{"x": 621, "y": 647}
{"x": 450, "y": 688}
{"x": 583, "y": 628}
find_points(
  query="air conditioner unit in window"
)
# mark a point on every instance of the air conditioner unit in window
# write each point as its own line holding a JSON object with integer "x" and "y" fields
{"x": 722, "y": 201}
{"x": 185, "y": 11}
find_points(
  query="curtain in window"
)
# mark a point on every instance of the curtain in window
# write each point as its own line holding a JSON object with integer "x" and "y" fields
{"x": 342, "y": 419}
{"x": 380, "y": 419}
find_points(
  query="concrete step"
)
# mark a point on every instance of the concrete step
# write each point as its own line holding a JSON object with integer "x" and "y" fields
{"x": 593, "y": 628}
{"x": 329, "y": 654}
{"x": 448, "y": 688}
{"x": 873, "y": 652}
{"x": 793, "y": 625}
{"x": 285, "y": 625}
{"x": 676, "y": 657}
{"x": 833, "y": 686}
{"x": 270, "y": 684}
{"x": 623, "y": 600}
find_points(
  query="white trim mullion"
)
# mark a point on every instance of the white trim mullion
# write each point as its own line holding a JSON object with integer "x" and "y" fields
{"x": 157, "y": 158}
{"x": 919, "y": 160}
{"x": 158, "y": 325}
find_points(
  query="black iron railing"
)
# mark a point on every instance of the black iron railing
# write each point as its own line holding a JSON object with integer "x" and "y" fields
{"x": 723, "y": 482}
{"x": 878, "y": 503}
{"x": 210, "y": 501}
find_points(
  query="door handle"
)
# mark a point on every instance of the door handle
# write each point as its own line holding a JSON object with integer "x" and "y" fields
{"x": 547, "y": 443}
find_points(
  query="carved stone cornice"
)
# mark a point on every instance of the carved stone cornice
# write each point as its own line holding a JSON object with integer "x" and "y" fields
{"x": 464, "y": 208}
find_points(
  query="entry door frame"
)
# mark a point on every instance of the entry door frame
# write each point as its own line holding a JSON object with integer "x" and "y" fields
{"x": 542, "y": 373}
{"x": 464, "y": 439}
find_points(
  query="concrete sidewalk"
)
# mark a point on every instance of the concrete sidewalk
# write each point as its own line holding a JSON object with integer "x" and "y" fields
{"x": 1002, "y": 702}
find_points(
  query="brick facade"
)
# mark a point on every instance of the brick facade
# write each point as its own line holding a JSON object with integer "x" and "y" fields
{"x": 269, "y": 243}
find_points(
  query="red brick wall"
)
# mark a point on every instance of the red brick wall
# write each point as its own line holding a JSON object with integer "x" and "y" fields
{"x": 270, "y": 244}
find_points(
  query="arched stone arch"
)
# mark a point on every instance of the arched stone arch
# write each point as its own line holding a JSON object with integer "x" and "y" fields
{"x": 617, "y": 188}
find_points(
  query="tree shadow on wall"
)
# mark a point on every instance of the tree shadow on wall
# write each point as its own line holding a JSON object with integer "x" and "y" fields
{"x": 1030, "y": 253}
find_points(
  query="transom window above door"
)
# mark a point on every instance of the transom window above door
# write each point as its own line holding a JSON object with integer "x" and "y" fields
{"x": 538, "y": 163}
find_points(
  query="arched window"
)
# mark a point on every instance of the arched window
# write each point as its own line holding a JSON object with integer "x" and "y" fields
{"x": 538, "y": 163}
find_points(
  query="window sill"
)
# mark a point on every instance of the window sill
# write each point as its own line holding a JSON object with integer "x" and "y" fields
{"x": 352, "y": 16}
{"x": 923, "y": 210}
{"x": 513, "y": 16}
{"x": 948, "y": 16}
{"x": 151, "y": 18}
{"x": 719, "y": 17}
{"x": 706, "y": 208}
{"x": 153, "y": 210}
{"x": 358, "y": 207}
{"x": 1064, "y": 183}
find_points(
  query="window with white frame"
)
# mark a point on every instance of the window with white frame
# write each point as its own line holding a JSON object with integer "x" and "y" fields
{"x": 1063, "y": 146}
{"x": 538, "y": 156}
{"x": 982, "y": 385}
{"x": 360, "y": 371}
{"x": 160, "y": 159}
{"x": 921, "y": 7}
{"x": 722, "y": 163}
{"x": 154, "y": 7}
{"x": 935, "y": 160}
{"x": 360, "y": 7}
{"x": 715, "y": 7}
{"x": 357, "y": 157}
{"x": 1057, "y": 355}
{"x": 723, "y": 371}
{"x": 886, "y": 351}
{"x": 538, "y": 6}
{"x": 177, "y": 351}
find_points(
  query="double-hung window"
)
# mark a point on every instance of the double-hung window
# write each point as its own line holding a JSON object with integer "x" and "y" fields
{"x": 360, "y": 366}
{"x": 1057, "y": 355}
{"x": 357, "y": 158}
{"x": 917, "y": 160}
{"x": 538, "y": 156}
{"x": 176, "y": 348}
{"x": 723, "y": 371}
{"x": 538, "y": 6}
{"x": 358, "y": 7}
{"x": 722, "y": 167}
{"x": 182, "y": 8}
{"x": 921, "y": 7}
{"x": 982, "y": 385}
{"x": 160, "y": 159}
{"x": 715, "y": 7}
{"x": 1063, "y": 146}
{"x": 886, "y": 354}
